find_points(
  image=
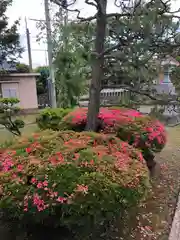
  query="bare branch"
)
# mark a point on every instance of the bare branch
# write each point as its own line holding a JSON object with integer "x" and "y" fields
{"x": 91, "y": 3}
{"x": 116, "y": 3}
{"x": 64, "y": 3}
{"x": 110, "y": 15}
{"x": 111, "y": 49}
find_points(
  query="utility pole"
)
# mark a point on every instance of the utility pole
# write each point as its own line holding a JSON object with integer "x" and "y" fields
{"x": 28, "y": 45}
{"x": 50, "y": 54}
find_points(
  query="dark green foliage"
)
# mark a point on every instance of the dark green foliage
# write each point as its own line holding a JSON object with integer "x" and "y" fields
{"x": 51, "y": 118}
{"x": 143, "y": 40}
{"x": 9, "y": 37}
{"x": 72, "y": 62}
{"x": 42, "y": 79}
{"x": 22, "y": 68}
{"x": 8, "y": 111}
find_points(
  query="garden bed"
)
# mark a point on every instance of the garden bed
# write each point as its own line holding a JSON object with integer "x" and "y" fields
{"x": 153, "y": 219}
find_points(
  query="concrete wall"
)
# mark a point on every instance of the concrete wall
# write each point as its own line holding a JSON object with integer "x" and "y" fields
{"x": 27, "y": 93}
{"x": 24, "y": 87}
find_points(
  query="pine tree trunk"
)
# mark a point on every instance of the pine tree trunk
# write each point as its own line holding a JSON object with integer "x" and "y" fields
{"x": 97, "y": 68}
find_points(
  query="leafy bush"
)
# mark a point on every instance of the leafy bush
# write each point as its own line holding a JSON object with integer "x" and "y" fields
{"x": 50, "y": 118}
{"x": 8, "y": 111}
{"x": 22, "y": 68}
{"x": 141, "y": 131}
{"x": 9, "y": 101}
{"x": 71, "y": 179}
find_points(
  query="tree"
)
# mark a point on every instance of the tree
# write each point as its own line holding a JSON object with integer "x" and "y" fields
{"x": 72, "y": 43}
{"x": 150, "y": 24}
{"x": 42, "y": 79}
{"x": 71, "y": 63}
{"x": 22, "y": 68}
{"x": 143, "y": 41}
{"x": 8, "y": 112}
{"x": 10, "y": 48}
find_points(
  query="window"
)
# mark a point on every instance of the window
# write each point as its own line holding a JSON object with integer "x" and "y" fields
{"x": 9, "y": 93}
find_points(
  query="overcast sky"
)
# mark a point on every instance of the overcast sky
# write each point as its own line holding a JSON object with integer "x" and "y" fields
{"x": 34, "y": 9}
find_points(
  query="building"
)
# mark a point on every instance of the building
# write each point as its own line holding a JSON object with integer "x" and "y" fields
{"x": 21, "y": 86}
{"x": 18, "y": 85}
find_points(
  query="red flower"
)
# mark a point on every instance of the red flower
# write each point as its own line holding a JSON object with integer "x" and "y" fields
{"x": 28, "y": 150}
{"x": 33, "y": 181}
{"x": 20, "y": 167}
{"x": 82, "y": 188}
{"x": 45, "y": 183}
{"x": 61, "y": 199}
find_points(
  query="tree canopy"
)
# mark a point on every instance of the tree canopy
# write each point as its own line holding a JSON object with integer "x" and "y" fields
{"x": 42, "y": 79}
{"x": 10, "y": 48}
{"x": 71, "y": 63}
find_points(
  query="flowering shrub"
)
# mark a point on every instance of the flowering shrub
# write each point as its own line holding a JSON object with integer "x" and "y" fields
{"x": 107, "y": 118}
{"x": 139, "y": 130}
{"x": 71, "y": 179}
{"x": 143, "y": 132}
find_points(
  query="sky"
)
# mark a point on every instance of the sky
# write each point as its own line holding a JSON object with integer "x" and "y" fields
{"x": 34, "y": 9}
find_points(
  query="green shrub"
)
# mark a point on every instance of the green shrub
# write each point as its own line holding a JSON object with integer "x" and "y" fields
{"x": 8, "y": 111}
{"x": 22, "y": 68}
{"x": 9, "y": 101}
{"x": 78, "y": 180}
{"x": 50, "y": 118}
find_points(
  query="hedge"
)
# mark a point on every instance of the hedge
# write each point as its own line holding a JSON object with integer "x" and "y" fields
{"x": 50, "y": 118}
{"x": 71, "y": 179}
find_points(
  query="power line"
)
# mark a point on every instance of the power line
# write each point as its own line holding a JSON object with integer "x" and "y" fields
{"x": 37, "y": 50}
{"x": 37, "y": 20}
{"x": 24, "y": 36}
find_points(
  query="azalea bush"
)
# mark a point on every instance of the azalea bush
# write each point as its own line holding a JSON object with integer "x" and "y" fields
{"x": 50, "y": 118}
{"x": 77, "y": 180}
{"x": 143, "y": 132}
{"x": 107, "y": 118}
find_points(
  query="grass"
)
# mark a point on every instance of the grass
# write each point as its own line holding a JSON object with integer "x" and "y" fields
{"x": 26, "y": 131}
{"x": 31, "y": 118}
{"x": 30, "y": 127}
